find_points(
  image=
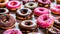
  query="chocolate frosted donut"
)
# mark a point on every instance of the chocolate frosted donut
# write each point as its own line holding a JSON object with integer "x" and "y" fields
{"x": 44, "y": 3}
{"x": 4, "y": 11}
{"x": 3, "y": 3}
{"x": 24, "y": 14}
{"x": 57, "y": 22}
{"x": 6, "y": 21}
{"x": 53, "y": 30}
{"x": 28, "y": 26}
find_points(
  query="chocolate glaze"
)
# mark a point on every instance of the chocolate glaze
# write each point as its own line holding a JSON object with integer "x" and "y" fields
{"x": 6, "y": 21}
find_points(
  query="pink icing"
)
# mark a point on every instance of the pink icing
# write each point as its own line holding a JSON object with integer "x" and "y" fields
{"x": 45, "y": 1}
{"x": 41, "y": 10}
{"x": 10, "y": 5}
{"x": 45, "y": 21}
{"x": 55, "y": 9}
{"x": 12, "y": 31}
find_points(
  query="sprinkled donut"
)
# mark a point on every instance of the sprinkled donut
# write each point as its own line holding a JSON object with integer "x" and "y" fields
{"x": 13, "y": 5}
{"x": 40, "y": 10}
{"x": 6, "y": 21}
{"x": 55, "y": 9}
{"x": 45, "y": 21}
{"x": 3, "y": 3}
{"x": 12, "y": 31}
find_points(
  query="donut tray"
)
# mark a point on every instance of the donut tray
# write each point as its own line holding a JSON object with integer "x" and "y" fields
{"x": 41, "y": 31}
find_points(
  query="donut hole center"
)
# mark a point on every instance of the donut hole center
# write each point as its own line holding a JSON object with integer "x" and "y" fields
{"x": 45, "y": 18}
{"x": 2, "y": 1}
{"x": 2, "y": 10}
{"x": 28, "y": 23}
{"x": 24, "y": 11}
{"x": 41, "y": 9}
{"x": 13, "y": 3}
{"x": 44, "y": 0}
{"x": 31, "y": 4}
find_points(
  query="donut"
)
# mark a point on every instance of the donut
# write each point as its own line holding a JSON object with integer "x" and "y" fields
{"x": 44, "y": 3}
{"x": 58, "y": 1}
{"x": 6, "y": 21}
{"x": 28, "y": 26}
{"x": 57, "y": 22}
{"x": 24, "y": 14}
{"x": 13, "y": 5}
{"x": 40, "y": 10}
{"x": 31, "y": 5}
{"x": 53, "y": 30}
{"x": 3, "y": 3}
{"x": 4, "y": 11}
{"x": 45, "y": 21}
{"x": 12, "y": 31}
{"x": 55, "y": 9}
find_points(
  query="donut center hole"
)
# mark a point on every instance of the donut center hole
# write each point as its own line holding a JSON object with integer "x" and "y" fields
{"x": 13, "y": 3}
{"x": 45, "y": 18}
{"x": 31, "y": 4}
{"x": 2, "y": 10}
{"x": 2, "y": 1}
{"x": 41, "y": 9}
{"x": 24, "y": 11}
{"x": 44, "y": 0}
{"x": 28, "y": 23}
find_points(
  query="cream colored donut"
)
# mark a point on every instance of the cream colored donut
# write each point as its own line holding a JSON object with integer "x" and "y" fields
{"x": 3, "y": 3}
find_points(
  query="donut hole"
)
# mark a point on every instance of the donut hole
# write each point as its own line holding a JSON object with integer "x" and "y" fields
{"x": 28, "y": 23}
{"x": 23, "y": 11}
{"x": 44, "y": 0}
{"x": 31, "y": 4}
{"x": 2, "y": 1}
{"x": 45, "y": 18}
{"x": 2, "y": 10}
{"x": 13, "y": 3}
{"x": 41, "y": 9}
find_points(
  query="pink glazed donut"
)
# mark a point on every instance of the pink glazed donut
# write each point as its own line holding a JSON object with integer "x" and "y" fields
{"x": 13, "y": 5}
{"x": 40, "y": 10}
{"x": 12, "y": 31}
{"x": 45, "y": 21}
{"x": 55, "y": 9}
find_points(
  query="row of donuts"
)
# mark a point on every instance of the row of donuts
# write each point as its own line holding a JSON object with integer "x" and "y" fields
{"x": 41, "y": 18}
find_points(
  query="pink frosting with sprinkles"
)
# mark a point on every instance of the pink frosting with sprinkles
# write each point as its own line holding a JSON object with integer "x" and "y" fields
{"x": 45, "y": 21}
{"x": 45, "y": 1}
{"x": 41, "y": 10}
{"x": 12, "y": 31}
{"x": 55, "y": 9}
{"x": 10, "y": 5}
